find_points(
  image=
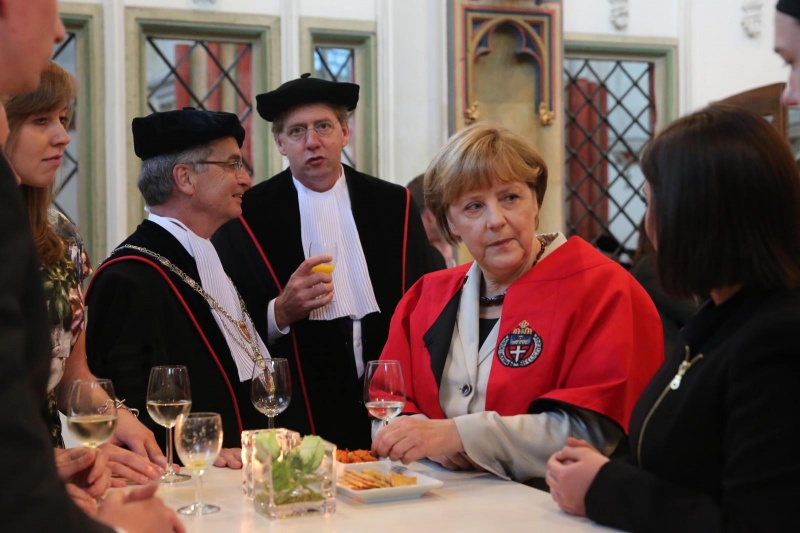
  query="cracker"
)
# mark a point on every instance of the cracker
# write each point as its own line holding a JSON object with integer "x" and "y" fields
{"x": 372, "y": 479}
{"x": 363, "y": 480}
{"x": 399, "y": 480}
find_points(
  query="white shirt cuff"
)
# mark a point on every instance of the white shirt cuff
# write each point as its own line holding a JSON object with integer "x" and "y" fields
{"x": 273, "y": 332}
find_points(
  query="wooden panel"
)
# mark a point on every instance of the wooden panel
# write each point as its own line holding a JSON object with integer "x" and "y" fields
{"x": 765, "y": 101}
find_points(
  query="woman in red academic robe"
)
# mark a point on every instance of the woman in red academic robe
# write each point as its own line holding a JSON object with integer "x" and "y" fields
{"x": 539, "y": 339}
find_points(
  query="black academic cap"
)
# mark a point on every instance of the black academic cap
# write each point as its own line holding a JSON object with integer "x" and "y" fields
{"x": 173, "y": 131}
{"x": 306, "y": 90}
{"x": 789, "y": 7}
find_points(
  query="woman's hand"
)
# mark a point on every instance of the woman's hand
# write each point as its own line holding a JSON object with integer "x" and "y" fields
{"x": 85, "y": 468}
{"x": 409, "y": 439}
{"x": 230, "y": 457}
{"x": 126, "y": 464}
{"x": 570, "y": 473}
{"x": 133, "y": 435}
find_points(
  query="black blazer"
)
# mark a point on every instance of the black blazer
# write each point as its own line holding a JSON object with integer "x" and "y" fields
{"x": 32, "y": 496}
{"x": 719, "y": 453}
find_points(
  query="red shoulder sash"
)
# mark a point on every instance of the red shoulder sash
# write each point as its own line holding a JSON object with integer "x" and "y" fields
{"x": 188, "y": 313}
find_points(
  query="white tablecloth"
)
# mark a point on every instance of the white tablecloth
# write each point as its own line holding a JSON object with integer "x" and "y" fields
{"x": 467, "y": 502}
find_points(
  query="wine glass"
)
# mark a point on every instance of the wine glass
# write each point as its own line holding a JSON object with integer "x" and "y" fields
{"x": 91, "y": 412}
{"x": 384, "y": 390}
{"x": 199, "y": 441}
{"x": 271, "y": 388}
{"x": 169, "y": 395}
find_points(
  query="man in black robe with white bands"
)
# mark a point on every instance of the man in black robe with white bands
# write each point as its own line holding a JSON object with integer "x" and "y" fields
{"x": 162, "y": 297}
{"x": 382, "y": 251}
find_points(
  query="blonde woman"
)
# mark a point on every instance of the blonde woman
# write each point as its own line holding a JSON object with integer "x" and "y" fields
{"x": 539, "y": 339}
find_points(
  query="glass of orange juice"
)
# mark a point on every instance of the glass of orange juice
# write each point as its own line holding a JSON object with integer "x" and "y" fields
{"x": 324, "y": 248}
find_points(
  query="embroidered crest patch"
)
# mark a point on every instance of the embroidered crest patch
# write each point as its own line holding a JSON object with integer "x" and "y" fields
{"x": 521, "y": 347}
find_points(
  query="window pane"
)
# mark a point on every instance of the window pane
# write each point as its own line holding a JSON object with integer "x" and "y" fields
{"x": 610, "y": 115}
{"x": 210, "y": 75}
{"x": 337, "y": 64}
{"x": 66, "y": 191}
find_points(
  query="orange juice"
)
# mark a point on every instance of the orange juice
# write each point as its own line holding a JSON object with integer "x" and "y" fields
{"x": 327, "y": 268}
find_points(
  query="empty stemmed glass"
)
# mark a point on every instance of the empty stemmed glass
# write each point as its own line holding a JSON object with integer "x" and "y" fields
{"x": 384, "y": 389}
{"x": 169, "y": 395}
{"x": 91, "y": 412}
{"x": 271, "y": 388}
{"x": 199, "y": 440}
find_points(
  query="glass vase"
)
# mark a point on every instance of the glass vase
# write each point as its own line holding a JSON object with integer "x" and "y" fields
{"x": 293, "y": 476}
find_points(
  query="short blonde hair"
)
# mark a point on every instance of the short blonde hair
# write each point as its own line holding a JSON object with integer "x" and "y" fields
{"x": 476, "y": 158}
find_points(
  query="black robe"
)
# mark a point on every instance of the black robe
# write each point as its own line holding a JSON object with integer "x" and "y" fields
{"x": 136, "y": 322}
{"x": 32, "y": 496}
{"x": 329, "y": 379}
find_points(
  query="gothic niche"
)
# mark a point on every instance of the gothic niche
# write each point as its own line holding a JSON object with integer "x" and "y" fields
{"x": 509, "y": 71}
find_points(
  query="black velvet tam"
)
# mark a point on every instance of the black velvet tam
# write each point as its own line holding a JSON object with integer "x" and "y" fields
{"x": 306, "y": 90}
{"x": 789, "y": 7}
{"x": 173, "y": 131}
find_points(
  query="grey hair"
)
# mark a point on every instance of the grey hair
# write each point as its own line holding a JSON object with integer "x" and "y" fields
{"x": 155, "y": 179}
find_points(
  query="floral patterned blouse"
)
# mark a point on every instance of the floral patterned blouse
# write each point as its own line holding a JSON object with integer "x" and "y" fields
{"x": 63, "y": 290}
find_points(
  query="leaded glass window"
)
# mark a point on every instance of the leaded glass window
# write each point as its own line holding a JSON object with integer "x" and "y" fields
{"x": 66, "y": 191}
{"x": 209, "y": 75}
{"x": 337, "y": 63}
{"x": 610, "y": 116}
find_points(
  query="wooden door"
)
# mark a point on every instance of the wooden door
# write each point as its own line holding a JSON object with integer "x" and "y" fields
{"x": 766, "y": 101}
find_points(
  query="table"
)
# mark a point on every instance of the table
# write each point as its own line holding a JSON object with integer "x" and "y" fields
{"x": 467, "y": 502}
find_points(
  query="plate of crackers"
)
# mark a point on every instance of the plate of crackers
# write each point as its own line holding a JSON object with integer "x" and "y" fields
{"x": 379, "y": 482}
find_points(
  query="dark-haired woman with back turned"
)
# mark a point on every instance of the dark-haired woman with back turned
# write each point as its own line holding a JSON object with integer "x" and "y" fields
{"x": 713, "y": 438}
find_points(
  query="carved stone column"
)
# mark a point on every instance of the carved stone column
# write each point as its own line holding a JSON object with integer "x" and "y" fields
{"x": 506, "y": 67}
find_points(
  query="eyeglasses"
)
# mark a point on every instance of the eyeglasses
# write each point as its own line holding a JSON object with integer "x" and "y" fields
{"x": 236, "y": 166}
{"x": 323, "y": 129}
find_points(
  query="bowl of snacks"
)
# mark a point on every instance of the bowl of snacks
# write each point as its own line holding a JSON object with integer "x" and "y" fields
{"x": 356, "y": 456}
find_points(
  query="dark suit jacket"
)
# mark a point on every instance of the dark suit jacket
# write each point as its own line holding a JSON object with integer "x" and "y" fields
{"x": 32, "y": 497}
{"x": 719, "y": 453}
{"x": 332, "y": 386}
{"x": 136, "y": 322}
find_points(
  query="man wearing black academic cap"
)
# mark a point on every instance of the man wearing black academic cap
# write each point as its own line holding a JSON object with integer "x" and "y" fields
{"x": 327, "y": 325}
{"x": 162, "y": 297}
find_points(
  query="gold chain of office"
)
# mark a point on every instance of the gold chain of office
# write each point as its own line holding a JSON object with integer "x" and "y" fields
{"x": 251, "y": 349}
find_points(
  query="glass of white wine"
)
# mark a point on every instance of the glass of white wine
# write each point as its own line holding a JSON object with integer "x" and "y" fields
{"x": 199, "y": 441}
{"x": 169, "y": 395}
{"x": 271, "y": 388}
{"x": 91, "y": 412}
{"x": 384, "y": 389}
